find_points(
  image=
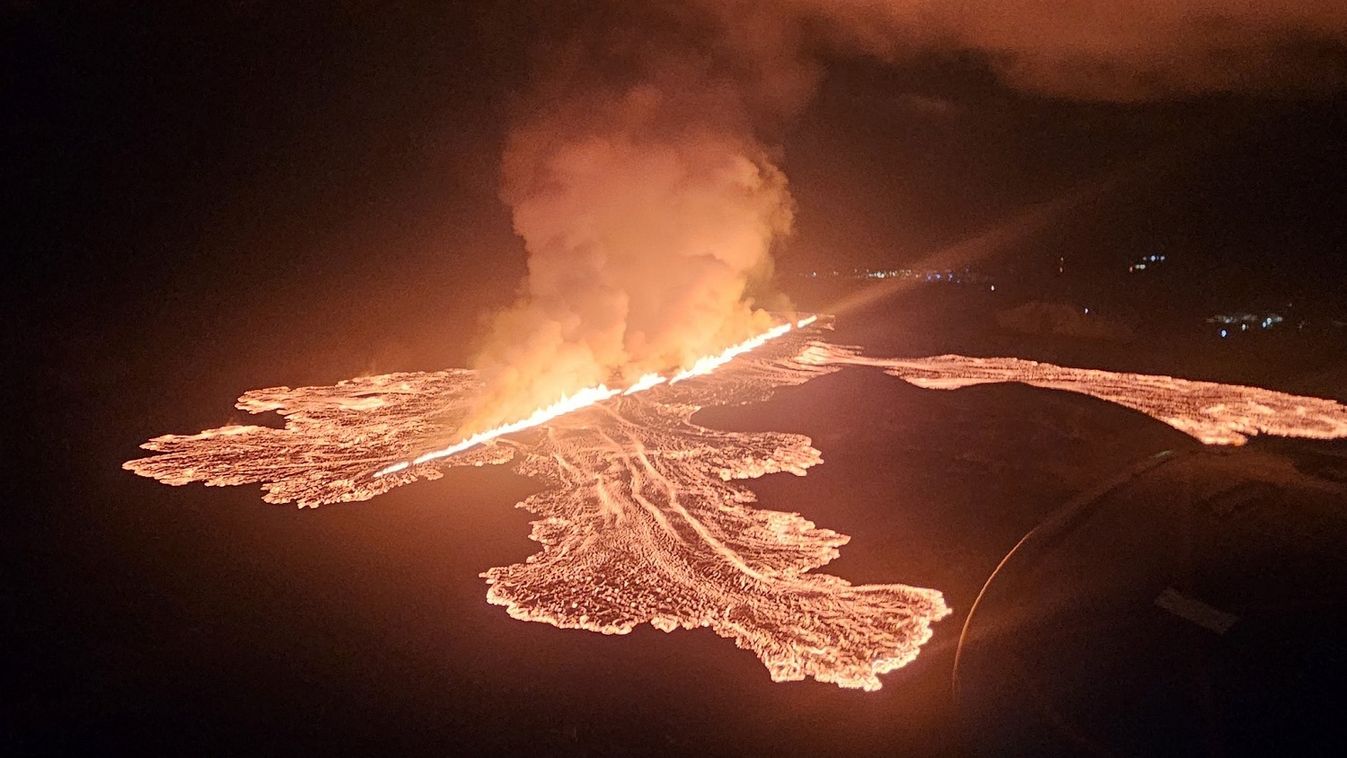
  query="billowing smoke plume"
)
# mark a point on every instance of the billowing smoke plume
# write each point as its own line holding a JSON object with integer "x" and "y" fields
{"x": 649, "y": 207}
{"x": 645, "y": 185}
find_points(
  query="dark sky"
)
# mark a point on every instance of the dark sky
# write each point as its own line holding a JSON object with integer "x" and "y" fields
{"x": 892, "y": 164}
{"x": 284, "y": 164}
{"x": 264, "y": 171}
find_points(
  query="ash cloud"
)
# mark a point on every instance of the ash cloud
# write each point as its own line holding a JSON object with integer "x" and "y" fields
{"x": 643, "y": 172}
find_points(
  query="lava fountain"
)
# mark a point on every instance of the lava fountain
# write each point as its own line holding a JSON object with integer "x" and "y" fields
{"x": 643, "y": 518}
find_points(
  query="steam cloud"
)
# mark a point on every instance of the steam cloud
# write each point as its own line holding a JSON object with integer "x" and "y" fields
{"x": 648, "y": 204}
{"x": 644, "y": 181}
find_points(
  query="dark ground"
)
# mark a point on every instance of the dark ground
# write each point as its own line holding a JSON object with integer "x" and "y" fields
{"x": 191, "y": 619}
{"x": 1069, "y": 649}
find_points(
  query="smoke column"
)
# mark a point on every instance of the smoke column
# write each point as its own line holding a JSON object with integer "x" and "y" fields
{"x": 643, "y": 171}
{"x": 648, "y": 205}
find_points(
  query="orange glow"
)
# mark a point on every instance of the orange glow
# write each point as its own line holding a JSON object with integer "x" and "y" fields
{"x": 1214, "y": 413}
{"x": 582, "y": 399}
{"x": 644, "y": 383}
{"x": 642, "y": 517}
{"x": 592, "y": 395}
{"x": 709, "y": 363}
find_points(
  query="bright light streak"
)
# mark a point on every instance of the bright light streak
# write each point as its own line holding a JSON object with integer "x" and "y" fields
{"x": 644, "y": 383}
{"x": 707, "y": 364}
{"x": 581, "y": 399}
{"x": 592, "y": 395}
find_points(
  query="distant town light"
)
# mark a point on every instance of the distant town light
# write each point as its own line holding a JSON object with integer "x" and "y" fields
{"x": 966, "y": 276}
{"x": 1146, "y": 261}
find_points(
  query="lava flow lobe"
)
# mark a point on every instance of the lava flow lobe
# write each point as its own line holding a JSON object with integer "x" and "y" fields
{"x": 643, "y": 518}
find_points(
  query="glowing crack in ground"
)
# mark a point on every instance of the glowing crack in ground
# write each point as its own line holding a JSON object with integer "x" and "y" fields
{"x": 642, "y": 518}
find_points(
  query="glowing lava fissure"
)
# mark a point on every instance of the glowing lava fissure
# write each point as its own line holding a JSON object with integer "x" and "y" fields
{"x": 642, "y": 517}
{"x": 592, "y": 395}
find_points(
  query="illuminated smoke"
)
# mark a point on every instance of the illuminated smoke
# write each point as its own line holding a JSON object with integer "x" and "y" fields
{"x": 597, "y": 394}
{"x": 649, "y": 207}
{"x": 642, "y": 168}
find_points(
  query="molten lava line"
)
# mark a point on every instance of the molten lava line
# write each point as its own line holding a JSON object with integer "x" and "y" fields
{"x": 644, "y": 383}
{"x": 593, "y": 395}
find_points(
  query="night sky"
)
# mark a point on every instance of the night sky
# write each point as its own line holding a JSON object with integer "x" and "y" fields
{"x": 255, "y": 164}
